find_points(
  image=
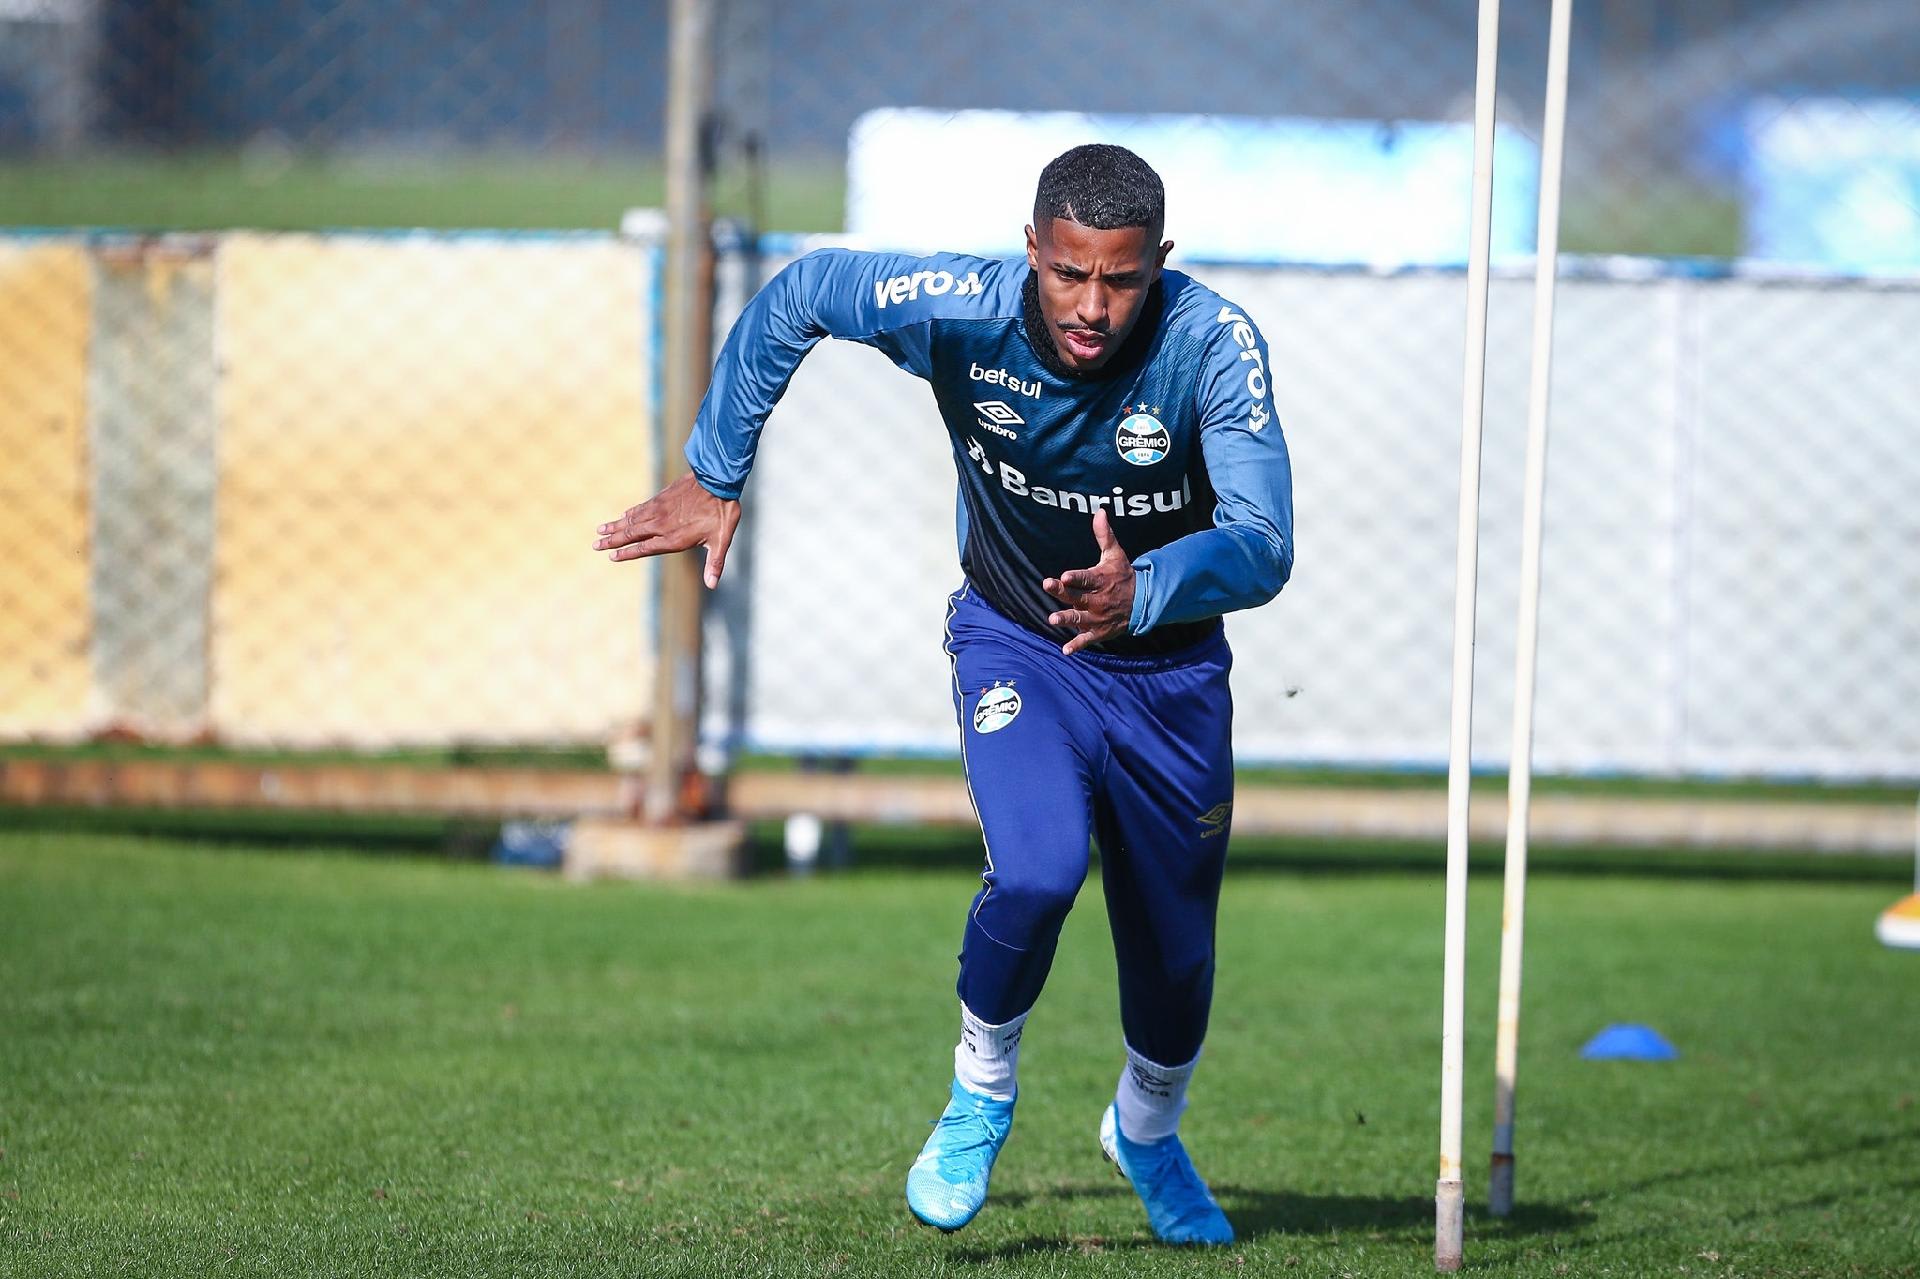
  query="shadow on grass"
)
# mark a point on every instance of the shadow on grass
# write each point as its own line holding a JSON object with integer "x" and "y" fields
{"x": 952, "y": 848}
{"x": 1837, "y": 1150}
{"x": 420, "y": 836}
{"x": 1772, "y": 1212}
{"x": 1311, "y": 1219}
{"x": 940, "y": 849}
{"x": 1824, "y": 1202}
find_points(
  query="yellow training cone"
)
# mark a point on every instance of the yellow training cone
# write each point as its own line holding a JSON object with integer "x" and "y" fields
{"x": 1900, "y": 924}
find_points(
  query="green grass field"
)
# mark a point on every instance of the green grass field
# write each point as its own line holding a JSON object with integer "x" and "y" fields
{"x": 217, "y": 191}
{"x": 221, "y": 1060}
{"x": 297, "y": 192}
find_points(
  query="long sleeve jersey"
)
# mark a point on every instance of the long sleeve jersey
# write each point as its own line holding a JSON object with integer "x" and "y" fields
{"x": 1175, "y": 437}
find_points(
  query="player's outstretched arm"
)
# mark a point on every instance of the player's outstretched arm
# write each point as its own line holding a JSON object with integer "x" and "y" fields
{"x": 885, "y": 301}
{"x": 679, "y": 517}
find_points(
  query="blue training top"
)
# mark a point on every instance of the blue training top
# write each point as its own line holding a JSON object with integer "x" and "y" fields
{"x": 1175, "y": 437}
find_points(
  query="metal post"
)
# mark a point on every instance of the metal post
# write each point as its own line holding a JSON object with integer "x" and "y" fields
{"x": 1449, "y": 1203}
{"x": 688, "y": 320}
{"x": 1506, "y": 1049}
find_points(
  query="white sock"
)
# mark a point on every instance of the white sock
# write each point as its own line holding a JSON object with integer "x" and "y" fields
{"x": 986, "y": 1056}
{"x": 1151, "y": 1097}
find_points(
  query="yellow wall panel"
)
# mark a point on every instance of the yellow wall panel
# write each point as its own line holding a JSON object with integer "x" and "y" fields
{"x": 418, "y": 436}
{"x": 45, "y": 668}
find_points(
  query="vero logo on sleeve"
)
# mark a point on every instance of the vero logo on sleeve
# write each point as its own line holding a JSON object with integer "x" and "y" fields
{"x": 1249, "y": 344}
{"x": 905, "y": 288}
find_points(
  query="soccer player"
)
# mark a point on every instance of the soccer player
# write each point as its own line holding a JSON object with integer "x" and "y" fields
{"x": 1123, "y": 483}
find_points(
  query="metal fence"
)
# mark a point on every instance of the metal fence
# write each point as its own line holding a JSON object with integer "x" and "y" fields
{"x": 322, "y": 490}
{"x": 308, "y": 490}
{"x": 1733, "y": 552}
{"x": 1669, "y": 119}
{"x": 1732, "y": 560}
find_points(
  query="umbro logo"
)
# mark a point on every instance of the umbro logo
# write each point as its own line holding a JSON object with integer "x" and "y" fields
{"x": 1215, "y": 819}
{"x": 999, "y": 417}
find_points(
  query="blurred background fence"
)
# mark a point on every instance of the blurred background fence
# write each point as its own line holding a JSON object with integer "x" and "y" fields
{"x": 1732, "y": 560}
{"x": 274, "y": 484}
{"x": 321, "y": 491}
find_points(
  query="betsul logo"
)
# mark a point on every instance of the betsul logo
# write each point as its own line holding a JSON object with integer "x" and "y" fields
{"x": 1002, "y": 377}
{"x": 996, "y": 709}
{"x": 1142, "y": 438}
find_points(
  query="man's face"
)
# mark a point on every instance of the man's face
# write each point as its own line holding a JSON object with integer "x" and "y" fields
{"x": 1092, "y": 285}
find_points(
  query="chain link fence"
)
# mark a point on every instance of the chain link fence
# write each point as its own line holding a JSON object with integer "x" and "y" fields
{"x": 323, "y": 491}
{"x": 1719, "y": 600}
{"x": 1733, "y": 555}
{"x": 329, "y": 489}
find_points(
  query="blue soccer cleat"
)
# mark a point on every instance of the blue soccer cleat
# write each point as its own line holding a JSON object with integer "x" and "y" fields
{"x": 948, "y": 1182}
{"x": 1180, "y": 1208}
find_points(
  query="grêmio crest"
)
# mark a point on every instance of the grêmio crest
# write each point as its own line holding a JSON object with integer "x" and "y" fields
{"x": 1142, "y": 439}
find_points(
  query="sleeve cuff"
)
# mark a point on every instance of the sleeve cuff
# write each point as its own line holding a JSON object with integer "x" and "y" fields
{"x": 1139, "y": 621}
{"x": 718, "y": 487}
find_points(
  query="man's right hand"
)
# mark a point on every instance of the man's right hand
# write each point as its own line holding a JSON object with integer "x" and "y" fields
{"x": 679, "y": 517}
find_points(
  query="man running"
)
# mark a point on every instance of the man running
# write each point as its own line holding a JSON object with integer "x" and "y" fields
{"x": 1123, "y": 483}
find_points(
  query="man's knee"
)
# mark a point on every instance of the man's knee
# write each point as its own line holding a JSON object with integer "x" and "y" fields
{"x": 1031, "y": 902}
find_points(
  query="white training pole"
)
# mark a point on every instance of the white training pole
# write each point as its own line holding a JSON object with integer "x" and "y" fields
{"x": 1449, "y": 1199}
{"x": 1506, "y": 1043}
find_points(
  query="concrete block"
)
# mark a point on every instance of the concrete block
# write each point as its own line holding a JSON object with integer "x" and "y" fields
{"x": 622, "y": 848}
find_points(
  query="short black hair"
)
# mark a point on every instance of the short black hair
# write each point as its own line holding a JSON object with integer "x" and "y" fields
{"x": 1103, "y": 187}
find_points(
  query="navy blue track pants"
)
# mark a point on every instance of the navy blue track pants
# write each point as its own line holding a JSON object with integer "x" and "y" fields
{"x": 1135, "y": 752}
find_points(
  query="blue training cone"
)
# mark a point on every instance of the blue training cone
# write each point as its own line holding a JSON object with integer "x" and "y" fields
{"x": 1629, "y": 1041}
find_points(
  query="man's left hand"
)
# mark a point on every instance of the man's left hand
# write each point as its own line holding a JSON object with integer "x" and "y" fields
{"x": 1099, "y": 600}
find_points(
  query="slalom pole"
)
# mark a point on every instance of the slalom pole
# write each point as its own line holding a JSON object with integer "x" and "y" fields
{"x": 1506, "y": 1047}
{"x": 1449, "y": 1198}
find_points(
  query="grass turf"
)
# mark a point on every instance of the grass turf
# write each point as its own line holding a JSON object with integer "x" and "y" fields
{"x": 218, "y": 190}
{"x": 294, "y": 191}
{"x": 222, "y": 1061}
{"x": 1490, "y": 782}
